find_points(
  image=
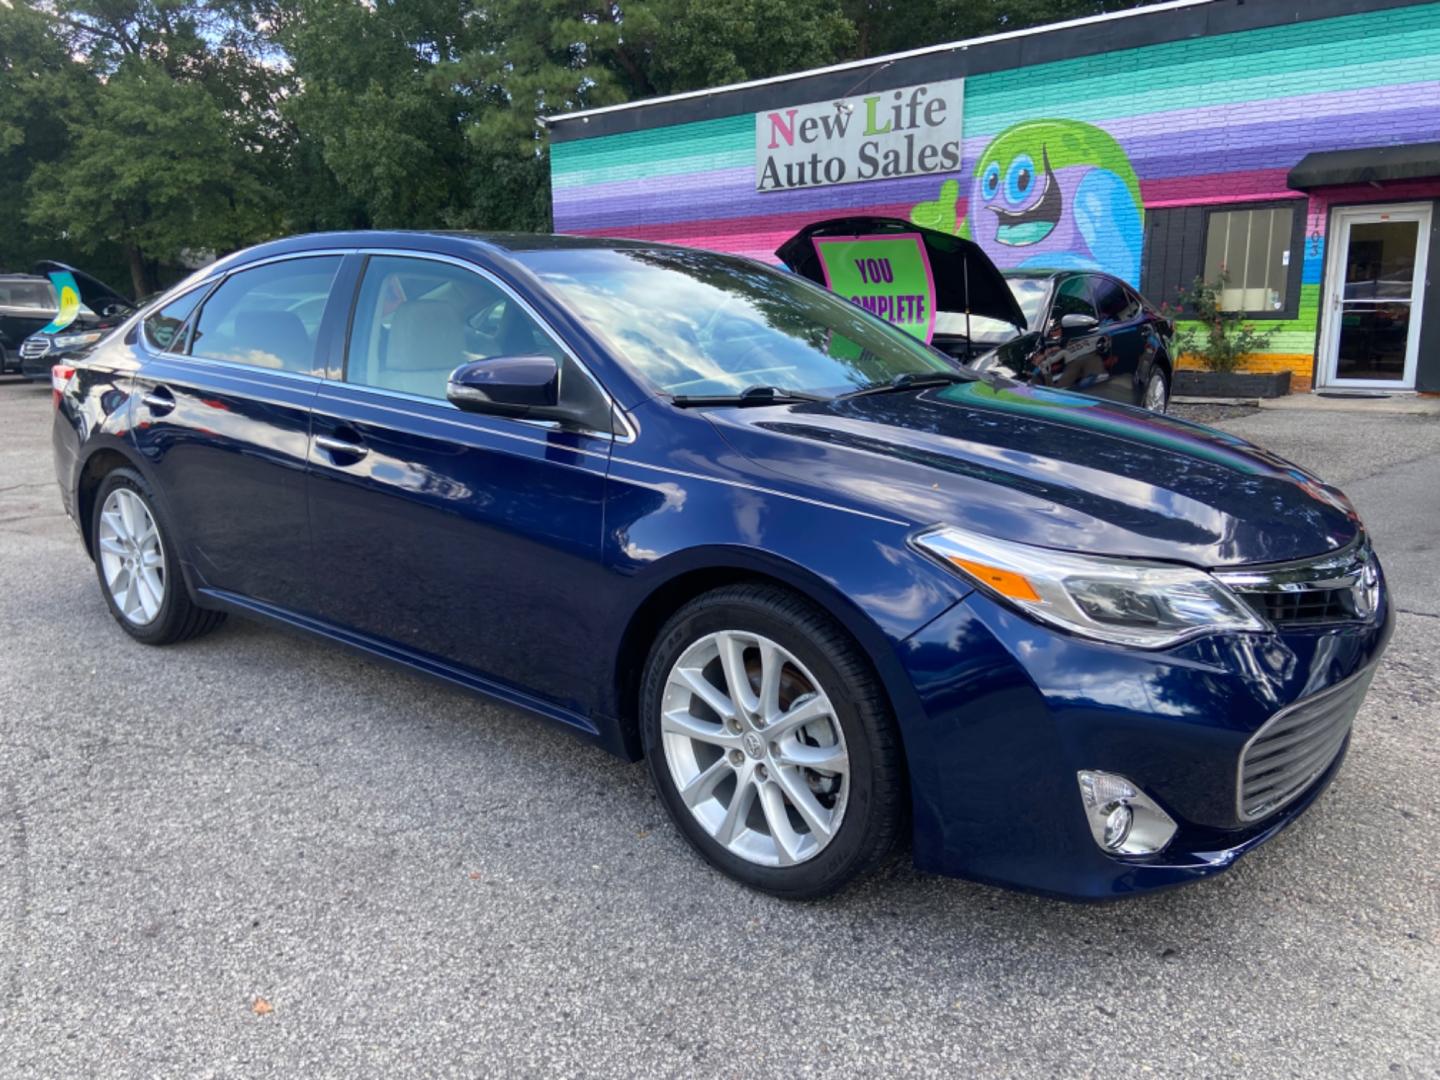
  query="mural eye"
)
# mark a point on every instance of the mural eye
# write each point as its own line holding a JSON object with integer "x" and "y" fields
{"x": 1020, "y": 180}
{"x": 990, "y": 182}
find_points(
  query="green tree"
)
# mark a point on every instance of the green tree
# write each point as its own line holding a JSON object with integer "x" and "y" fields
{"x": 377, "y": 134}
{"x": 888, "y": 26}
{"x": 156, "y": 167}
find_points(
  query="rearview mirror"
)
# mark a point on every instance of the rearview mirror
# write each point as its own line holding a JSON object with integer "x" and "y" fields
{"x": 517, "y": 386}
{"x": 1075, "y": 324}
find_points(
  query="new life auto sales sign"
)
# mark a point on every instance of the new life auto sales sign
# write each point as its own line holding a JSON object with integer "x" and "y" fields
{"x": 891, "y": 133}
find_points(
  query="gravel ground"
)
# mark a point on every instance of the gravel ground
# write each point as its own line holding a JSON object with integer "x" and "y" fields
{"x": 1209, "y": 412}
{"x": 254, "y": 855}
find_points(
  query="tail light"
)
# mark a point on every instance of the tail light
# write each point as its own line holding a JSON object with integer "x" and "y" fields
{"x": 60, "y": 376}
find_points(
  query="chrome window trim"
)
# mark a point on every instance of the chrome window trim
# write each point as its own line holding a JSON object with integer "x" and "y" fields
{"x": 616, "y": 413}
{"x": 238, "y": 366}
{"x": 214, "y": 281}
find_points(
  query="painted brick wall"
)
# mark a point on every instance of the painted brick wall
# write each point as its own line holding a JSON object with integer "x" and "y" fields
{"x": 1196, "y": 122}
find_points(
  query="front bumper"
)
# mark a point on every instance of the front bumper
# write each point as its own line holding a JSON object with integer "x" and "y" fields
{"x": 1010, "y": 711}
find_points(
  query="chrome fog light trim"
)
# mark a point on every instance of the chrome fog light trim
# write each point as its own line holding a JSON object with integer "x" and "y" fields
{"x": 1123, "y": 819}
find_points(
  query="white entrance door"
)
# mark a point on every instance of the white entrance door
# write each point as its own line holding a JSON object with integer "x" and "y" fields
{"x": 1374, "y": 282}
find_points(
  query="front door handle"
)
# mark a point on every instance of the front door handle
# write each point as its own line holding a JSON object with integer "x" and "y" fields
{"x": 159, "y": 400}
{"x": 340, "y": 446}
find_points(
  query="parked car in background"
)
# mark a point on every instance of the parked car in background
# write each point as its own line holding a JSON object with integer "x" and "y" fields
{"x": 1089, "y": 332}
{"x": 838, "y": 589}
{"x": 40, "y": 327}
{"x": 27, "y": 302}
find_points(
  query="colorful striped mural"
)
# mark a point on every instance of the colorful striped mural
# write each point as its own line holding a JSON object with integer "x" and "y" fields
{"x": 1204, "y": 121}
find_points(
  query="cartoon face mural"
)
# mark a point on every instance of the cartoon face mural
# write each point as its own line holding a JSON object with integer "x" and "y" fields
{"x": 1051, "y": 194}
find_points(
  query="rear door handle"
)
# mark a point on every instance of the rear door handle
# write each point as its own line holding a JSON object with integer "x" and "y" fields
{"x": 340, "y": 446}
{"x": 159, "y": 400}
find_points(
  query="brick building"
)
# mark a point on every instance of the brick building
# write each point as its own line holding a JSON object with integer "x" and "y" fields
{"x": 1295, "y": 144}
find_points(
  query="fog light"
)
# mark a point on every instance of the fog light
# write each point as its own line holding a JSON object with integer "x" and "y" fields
{"x": 1117, "y": 826}
{"x": 1123, "y": 819}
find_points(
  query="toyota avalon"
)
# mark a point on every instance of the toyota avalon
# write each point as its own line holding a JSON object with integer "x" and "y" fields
{"x": 840, "y": 592}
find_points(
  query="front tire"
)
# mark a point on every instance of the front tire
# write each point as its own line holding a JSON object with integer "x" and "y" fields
{"x": 137, "y": 565}
{"x": 771, "y": 742}
{"x": 1157, "y": 391}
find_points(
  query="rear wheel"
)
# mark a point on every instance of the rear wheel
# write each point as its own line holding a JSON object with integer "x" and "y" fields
{"x": 771, "y": 742}
{"x": 137, "y": 565}
{"x": 1157, "y": 391}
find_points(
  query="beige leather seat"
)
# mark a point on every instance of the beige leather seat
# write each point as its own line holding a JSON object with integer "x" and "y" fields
{"x": 426, "y": 343}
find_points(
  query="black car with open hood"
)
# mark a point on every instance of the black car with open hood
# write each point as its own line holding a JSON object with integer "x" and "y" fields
{"x": 973, "y": 305}
{"x": 1074, "y": 330}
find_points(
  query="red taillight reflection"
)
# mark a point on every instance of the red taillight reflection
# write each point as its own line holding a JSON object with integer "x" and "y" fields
{"x": 60, "y": 374}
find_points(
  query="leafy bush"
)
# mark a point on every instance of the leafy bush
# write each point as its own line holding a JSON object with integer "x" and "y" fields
{"x": 1222, "y": 340}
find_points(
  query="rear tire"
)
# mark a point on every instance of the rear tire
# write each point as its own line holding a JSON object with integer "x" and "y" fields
{"x": 793, "y": 807}
{"x": 137, "y": 565}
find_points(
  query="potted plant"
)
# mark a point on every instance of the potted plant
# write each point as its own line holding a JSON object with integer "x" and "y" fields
{"x": 1223, "y": 341}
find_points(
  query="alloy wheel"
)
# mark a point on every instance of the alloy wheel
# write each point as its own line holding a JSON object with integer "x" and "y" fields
{"x": 132, "y": 558}
{"x": 755, "y": 749}
{"x": 1155, "y": 393}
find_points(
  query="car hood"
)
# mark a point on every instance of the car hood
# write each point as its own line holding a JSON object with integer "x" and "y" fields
{"x": 1049, "y": 468}
{"x": 964, "y": 276}
{"x": 94, "y": 293}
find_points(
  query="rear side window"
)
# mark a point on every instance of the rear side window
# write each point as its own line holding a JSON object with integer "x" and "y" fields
{"x": 163, "y": 328}
{"x": 1113, "y": 302}
{"x": 269, "y": 316}
{"x": 27, "y": 296}
{"x": 417, "y": 320}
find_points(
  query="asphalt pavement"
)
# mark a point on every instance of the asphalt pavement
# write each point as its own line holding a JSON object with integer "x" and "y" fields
{"x": 255, "y": 855}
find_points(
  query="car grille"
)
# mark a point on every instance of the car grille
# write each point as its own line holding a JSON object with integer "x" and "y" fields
{"x": 32, "y": 348}
{"x": 1343, "y": 586}
{"x": 1296, "y": 745}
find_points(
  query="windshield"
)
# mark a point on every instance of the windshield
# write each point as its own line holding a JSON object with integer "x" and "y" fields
{"x": 1030, "y": 293}
{"x": 697, "y": 323}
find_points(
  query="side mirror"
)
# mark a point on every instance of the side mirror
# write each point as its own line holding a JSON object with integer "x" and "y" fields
{"x": 1075, "y": 324}
{"x": 517, "y": 386}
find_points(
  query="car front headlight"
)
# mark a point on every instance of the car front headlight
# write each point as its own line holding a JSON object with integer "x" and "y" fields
{"x": 76, "y": 341}
{"x": 1125, "y": 601}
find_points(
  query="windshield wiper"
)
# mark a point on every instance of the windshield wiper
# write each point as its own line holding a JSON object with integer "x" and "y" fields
{"x": 751, "y": 395}
{"x": 911, "y": 380}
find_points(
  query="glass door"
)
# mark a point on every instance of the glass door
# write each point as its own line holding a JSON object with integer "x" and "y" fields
{"x": 1374, "y": 282}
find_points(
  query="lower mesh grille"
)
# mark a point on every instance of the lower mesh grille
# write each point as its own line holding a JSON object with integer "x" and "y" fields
{"x": 1296, "y": 745}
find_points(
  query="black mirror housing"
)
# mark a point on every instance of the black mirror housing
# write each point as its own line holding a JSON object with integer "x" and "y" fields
{"x": 517, "y": 386}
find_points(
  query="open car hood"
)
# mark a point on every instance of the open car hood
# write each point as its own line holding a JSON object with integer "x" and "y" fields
{"x": 954, "y": 262}
{"x": 94, "y": 293}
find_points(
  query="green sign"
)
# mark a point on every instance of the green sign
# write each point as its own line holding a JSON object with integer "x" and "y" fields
{"x": 888, "y": 276}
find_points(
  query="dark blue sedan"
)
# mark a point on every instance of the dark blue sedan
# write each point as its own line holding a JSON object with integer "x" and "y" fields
{"x": 839, "y": 591}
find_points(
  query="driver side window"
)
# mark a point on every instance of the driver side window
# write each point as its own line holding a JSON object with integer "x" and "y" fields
{"x": 417, "y": 320}
{"x": 1072, "y": 298}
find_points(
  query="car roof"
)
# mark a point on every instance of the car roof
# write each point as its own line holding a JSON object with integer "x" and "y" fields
{"x": 503, "y": 241}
